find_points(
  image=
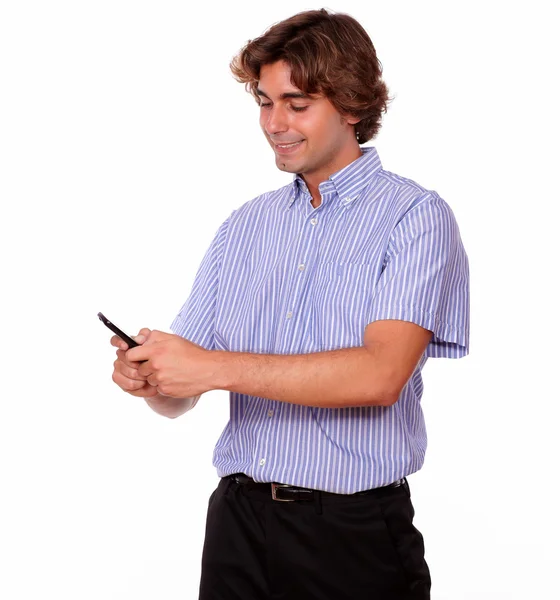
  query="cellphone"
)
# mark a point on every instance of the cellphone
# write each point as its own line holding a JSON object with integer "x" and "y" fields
{"x": 125, "y": 338}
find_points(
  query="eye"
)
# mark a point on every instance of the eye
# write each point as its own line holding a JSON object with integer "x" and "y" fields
{"x": 265, "y": 104}
{"x": 299, "y": 108}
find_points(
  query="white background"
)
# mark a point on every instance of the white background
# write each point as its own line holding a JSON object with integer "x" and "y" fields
{"x": 124, "y": 143}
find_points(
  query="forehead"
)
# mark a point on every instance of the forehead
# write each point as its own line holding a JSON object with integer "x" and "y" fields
{"x": 275, "y": 79}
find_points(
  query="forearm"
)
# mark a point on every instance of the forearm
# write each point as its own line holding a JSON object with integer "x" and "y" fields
{"x": 334, "y": 379}
{"x": 171, "y": 407}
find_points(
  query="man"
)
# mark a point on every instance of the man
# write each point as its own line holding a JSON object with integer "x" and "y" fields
{"x": 316, "y": 306}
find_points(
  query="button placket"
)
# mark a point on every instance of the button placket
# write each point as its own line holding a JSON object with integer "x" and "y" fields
{"x": 307, "y": 237}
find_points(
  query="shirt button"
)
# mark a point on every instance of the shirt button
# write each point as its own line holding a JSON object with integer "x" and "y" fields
{"x": 270, "y": 413}
{"x": 262, "y": 461}
{"x": 289, "y": 315}
{"x": 301, "y": 267}
{"x": 313, "y": 221}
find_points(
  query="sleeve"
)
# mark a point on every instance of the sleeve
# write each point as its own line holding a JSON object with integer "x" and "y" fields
{"x": 197, "y": 317}
{"x": 426, "y": 278}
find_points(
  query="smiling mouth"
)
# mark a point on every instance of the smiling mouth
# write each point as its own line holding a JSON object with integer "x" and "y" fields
{"x": 289, "y": 145}
{"x": 286, "y": 148}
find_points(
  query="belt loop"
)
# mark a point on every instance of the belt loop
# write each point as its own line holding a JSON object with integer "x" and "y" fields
{"x": 318, "y": 505}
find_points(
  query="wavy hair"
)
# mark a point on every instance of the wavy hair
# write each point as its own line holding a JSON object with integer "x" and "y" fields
{"x": 329, "y": 54}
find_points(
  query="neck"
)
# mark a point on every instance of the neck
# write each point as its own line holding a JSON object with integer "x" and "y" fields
{"x": 315, "y": 195}
{"x": 312, "y": 180}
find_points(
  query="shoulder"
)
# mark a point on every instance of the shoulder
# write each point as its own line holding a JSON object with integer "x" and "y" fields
{"x": 250, "y": 214}
{"x": 410, "y": 201}
{"x": 268, "y": 202}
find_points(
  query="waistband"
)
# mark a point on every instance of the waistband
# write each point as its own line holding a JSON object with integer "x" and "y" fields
{"x": 281, "y": 492}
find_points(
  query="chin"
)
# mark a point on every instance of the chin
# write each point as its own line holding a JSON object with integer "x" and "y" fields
{"x": 286, "y": 165}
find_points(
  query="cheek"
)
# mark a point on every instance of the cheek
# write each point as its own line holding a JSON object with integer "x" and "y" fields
{"x": 316, "y": 128}
{"x": 263, "y": 118}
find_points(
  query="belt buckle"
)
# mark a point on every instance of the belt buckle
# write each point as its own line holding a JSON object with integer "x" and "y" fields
{"x": 275, "y": 486}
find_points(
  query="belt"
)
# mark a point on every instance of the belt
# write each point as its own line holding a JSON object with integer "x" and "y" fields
{"x": 283, "y": 492}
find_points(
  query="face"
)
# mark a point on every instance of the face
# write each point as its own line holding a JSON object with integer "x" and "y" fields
{"x": 308, "y": 135}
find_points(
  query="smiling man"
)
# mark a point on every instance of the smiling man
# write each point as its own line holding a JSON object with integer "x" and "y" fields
{"x": 316, "y": 306}
{"x": 308, "y": 135}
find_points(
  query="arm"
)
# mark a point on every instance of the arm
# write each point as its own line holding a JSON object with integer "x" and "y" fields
{"x": 171, "y": 407}
{"x": 420, "y": 304}
{"x": 373, "y": 374}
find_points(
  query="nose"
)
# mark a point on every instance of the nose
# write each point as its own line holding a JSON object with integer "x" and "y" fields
{"x": 275, "y": 120}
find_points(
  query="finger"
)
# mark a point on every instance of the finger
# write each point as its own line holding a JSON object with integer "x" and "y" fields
{"x": 140, "y": 353}
{"x": 145, "y": 368}
{"x": 157, "y": 336}
{"x": 119, "y": 343}
{"x": 126, "y": 384}
{"x": 153, "y": 379}
{"x": 121, "y": 354}
{"x": 127, "y": 371}
{"x": 144, "y": 332}
{"x": 142, "y": 336}
{"x": 148, "y": 391}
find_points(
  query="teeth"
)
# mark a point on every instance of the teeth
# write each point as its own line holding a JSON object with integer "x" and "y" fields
{"x": 287, "y": 145}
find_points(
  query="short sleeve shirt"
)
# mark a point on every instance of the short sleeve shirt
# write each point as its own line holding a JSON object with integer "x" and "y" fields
{"x": 283, "y": 277}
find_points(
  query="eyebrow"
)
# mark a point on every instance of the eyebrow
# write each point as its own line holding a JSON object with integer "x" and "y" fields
{"x": 285, "y": 95}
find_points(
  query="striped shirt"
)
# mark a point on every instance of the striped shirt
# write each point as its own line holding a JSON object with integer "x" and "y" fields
{"x": 283, "y": 277}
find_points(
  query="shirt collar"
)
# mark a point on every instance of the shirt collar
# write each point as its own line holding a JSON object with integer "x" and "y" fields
{"x": 349, "y": 181}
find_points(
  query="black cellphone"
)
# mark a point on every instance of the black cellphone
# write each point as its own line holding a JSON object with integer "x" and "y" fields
{"x": 125, "y": 338}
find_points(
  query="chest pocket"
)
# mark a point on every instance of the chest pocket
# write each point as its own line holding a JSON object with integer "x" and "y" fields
{"x": 340, "y": 302}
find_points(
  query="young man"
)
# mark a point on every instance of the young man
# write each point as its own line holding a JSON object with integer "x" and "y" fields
{"x": 316, "y": 306}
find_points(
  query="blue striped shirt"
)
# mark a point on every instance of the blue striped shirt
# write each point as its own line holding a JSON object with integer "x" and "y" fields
{"x": 283, "y": 277}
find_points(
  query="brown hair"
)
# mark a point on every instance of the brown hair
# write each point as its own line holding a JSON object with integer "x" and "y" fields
{"x": 329, "y": 54}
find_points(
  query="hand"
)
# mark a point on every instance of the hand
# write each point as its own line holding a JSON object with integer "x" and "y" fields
{"x": 125, "y": 373}
{"x": 174, "y": 366}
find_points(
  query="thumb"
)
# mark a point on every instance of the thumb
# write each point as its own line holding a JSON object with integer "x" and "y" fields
{"x": 142, "y": 336}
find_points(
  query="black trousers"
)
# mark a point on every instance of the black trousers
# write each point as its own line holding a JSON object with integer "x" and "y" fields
{"x": 337, "y": 547}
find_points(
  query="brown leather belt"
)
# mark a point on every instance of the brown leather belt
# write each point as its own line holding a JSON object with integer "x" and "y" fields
{"x": 283, "y": 492}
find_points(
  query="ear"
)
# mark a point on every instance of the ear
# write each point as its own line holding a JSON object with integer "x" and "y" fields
{"x": 349, "y": 120}
{"x": 352, "y": 120}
